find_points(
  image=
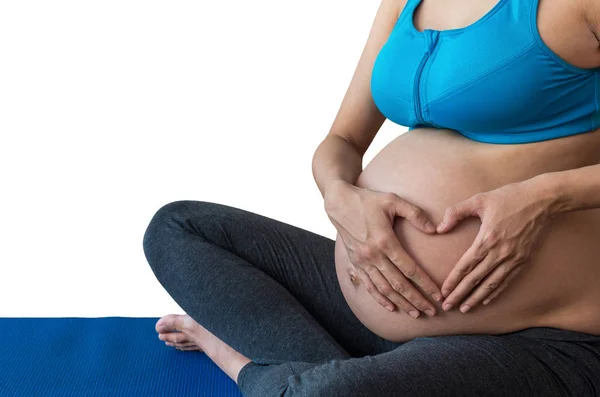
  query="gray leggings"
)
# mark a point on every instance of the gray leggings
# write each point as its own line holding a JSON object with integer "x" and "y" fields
{"x": 269, "y": 290}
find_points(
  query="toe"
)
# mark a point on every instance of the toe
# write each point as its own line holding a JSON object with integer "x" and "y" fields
{"x": 184, "y": 346}
{"x": 169, "y": 323}
{"x": 174, "y": 337}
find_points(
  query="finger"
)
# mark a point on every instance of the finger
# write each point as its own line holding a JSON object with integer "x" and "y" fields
{"x": 396, "y": 254}
{"x": 458, "y": 211}
{"x": 384, "y": 288}
{"x": 415, "y": 215}
{"x": 488, "y": 285}
{"x": 401, "y": 286}
{"x": 504, "y": 284}
{"x": 467, "y": 262}
{"x": 372, "y": 289}
{"x": 472, "y": 280}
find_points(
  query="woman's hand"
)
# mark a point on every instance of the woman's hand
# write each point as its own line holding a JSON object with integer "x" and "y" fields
{"x": 364, "y": 219}
{"x": 512, "y": 218}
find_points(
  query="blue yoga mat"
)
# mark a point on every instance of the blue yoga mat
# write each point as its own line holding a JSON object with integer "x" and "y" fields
{"x": 106, "y": 356}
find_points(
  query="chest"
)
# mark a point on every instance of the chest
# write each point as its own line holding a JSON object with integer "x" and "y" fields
{"x": 508, "y": 74}
{"x": 561, "y": 24}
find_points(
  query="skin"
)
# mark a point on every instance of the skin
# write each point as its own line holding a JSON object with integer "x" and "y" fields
{"x": 557, "y": 288}
{"x": 545, "y": 292}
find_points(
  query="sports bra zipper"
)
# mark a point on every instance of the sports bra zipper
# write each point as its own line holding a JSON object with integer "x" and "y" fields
{"x": 417, "y": 84}
{"x": 431, "y": 37}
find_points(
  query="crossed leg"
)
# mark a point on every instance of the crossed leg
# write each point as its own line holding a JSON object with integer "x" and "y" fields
{"x": 269, "y": 290}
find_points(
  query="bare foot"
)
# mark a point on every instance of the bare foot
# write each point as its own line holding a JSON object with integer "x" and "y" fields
{"x": 176, "y": 330}
{"x": 193, "y": 336}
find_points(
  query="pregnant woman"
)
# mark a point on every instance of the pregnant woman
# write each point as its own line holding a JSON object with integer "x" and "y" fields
{"x": 467, "y": 259}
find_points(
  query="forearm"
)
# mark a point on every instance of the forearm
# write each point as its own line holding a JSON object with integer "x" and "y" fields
{"x": 570, "y": 190}
{"x": 335, "y": 160}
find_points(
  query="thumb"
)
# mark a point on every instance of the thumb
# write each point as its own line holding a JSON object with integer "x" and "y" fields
{"x": 415, "y": 215}
{"x": 456, "y": 212}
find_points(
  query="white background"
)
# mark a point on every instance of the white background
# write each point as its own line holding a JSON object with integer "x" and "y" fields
{"x": 111, "y": 109}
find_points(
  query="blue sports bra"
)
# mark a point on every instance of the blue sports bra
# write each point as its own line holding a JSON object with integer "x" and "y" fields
{"x": 493, "y": 81}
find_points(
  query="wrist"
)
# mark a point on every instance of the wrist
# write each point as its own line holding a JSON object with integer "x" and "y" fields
{"x": 334, "y": 189}
{"x": 549, "y": 189}
{"x": 333, "y": 186}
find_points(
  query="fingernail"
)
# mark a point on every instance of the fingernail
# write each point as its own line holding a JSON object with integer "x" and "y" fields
{"x": 441, "y": 226}
{"x": 465, "y": 308}
{"x": 445, "y": 292}
{"x": 447, "y": 306}
{"x": 390, "y": 308}
{"x": 485, "y": 302}
{"x": 436, "y": 296}
{"x": 414, "y": 314}
{"x": 430, "y": 226}
{"x": 429, "y": 312}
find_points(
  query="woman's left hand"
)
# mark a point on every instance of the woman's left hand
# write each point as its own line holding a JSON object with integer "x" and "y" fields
{"x": 512, "y": 217}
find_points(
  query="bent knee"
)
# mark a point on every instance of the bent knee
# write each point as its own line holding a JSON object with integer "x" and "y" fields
{"x": 170, "y": 215}
{"x": 168, "y": 218}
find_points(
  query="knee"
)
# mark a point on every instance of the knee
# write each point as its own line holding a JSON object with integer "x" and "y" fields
{"x": 169, "y": 217}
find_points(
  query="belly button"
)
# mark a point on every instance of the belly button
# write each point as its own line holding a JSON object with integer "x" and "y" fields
{"x": 353, "y": 278}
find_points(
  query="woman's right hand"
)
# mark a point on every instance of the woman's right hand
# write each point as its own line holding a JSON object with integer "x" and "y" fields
{"x": 364, "y": 219}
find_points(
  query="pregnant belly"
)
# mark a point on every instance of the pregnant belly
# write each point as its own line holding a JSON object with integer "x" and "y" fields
{"x": 558, "y": 286}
